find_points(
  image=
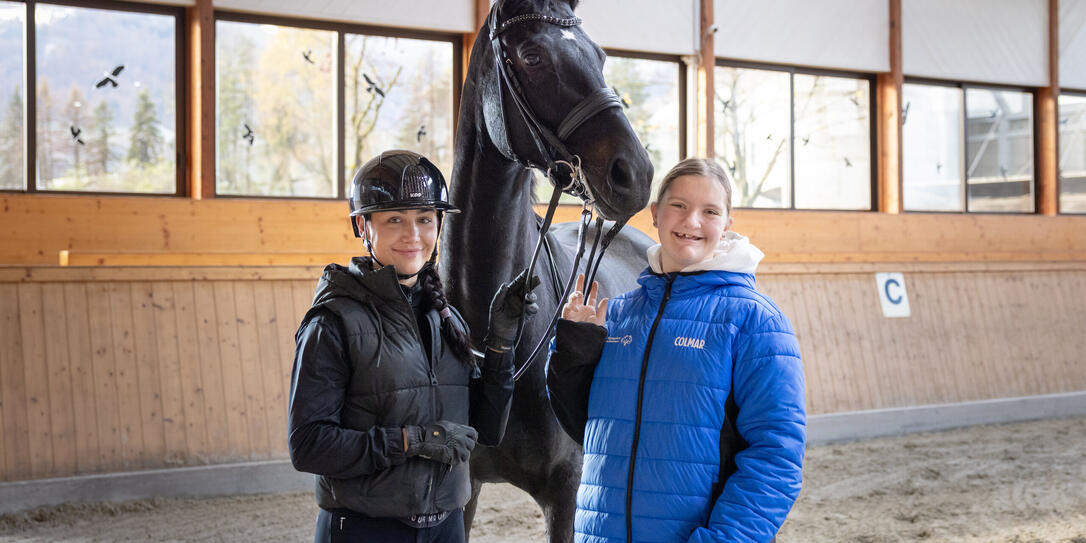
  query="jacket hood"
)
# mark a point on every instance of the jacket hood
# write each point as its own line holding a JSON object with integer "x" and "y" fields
{"x": 358, "y": 282}
{"x": 735, "y": 253}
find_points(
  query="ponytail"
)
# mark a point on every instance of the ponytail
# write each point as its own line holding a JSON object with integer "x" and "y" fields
{"x": 456, "y": 337}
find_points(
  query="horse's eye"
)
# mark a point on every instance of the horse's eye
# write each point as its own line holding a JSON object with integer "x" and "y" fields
{"x": 531, "y": 59}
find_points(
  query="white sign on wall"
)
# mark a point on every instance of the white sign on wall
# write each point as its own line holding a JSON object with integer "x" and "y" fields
{"x": 892, "y": 294}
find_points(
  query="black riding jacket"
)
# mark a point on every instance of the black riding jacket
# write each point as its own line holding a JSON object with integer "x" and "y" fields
{"x": 362, "y": 371}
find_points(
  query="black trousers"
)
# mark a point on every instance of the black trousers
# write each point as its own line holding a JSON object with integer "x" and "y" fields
{"x": 346, "y": 527}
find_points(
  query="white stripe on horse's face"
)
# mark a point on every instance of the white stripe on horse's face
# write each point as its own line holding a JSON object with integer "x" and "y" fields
{"x": 567, "y": 35}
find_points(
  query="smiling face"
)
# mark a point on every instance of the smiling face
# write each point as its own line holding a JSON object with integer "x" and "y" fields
{"x": 404, "y": 239}
{"x": 691, "y": 216}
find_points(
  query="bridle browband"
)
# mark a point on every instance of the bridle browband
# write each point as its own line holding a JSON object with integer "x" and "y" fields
{"x": 556, "y": 156}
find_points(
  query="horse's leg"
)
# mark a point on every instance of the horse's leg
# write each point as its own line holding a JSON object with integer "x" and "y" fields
{"x": 469, "y": 509}
{"x": 558, "y": 499}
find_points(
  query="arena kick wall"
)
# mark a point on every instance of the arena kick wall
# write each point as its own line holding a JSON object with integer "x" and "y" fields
{"x": 160, "y": 363}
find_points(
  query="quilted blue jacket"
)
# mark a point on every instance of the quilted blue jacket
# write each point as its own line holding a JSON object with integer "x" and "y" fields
{"x": 683, "y": 351}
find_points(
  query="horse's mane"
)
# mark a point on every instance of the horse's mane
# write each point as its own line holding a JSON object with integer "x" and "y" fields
{"x": 547, "y": 5}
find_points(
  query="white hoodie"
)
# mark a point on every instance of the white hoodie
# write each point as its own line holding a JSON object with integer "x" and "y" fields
{"x": 734, "y": 254}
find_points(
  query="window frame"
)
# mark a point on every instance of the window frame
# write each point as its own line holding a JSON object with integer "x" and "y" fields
{"x": 1079, "y": 93}
{"x": 682, "y": 67}
{"x": 342, "y": 29}
{"x": 30, "y": 84}
{"x": 964, "y": 192}
{"x": 793, "y": 70}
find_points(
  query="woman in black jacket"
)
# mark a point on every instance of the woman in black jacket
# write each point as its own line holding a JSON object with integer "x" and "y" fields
{"x": 387, "y": 399}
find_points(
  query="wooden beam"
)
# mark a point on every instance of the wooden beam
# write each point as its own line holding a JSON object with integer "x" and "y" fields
{"x": 888, "y": 121}
{"x": 200, "y": 155}
{"x": 705, "y": 91}
{"x": 1048, "y": 169}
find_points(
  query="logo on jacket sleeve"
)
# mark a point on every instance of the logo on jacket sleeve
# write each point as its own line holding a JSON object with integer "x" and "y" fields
{"x": 693, "y": 343}
{"x": 624, "y": 340}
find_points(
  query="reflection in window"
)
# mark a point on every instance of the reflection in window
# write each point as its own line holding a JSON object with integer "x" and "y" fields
{"x": 106, "y": 100}
{"x": 823, "y": 161}
{"x": 1072, "y": 110}
{"x": 999, "y": 150}
{"x": 399, "y": 96}
{"x": 932, "y": 148}
{"x": 275, "y": 110}
{"x": 649, "y": 90}
{"x": 753, "y": 134}
{"x": 12, "y": 138}
{"x": 832, "y": 142}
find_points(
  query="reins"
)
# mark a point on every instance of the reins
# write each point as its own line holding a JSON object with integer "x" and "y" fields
{"x": 557, "y": 157}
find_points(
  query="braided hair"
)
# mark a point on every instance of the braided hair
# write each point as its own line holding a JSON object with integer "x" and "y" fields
{"x": 456, "y": 337}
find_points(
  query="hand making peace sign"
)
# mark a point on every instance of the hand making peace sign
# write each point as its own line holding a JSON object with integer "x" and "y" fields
{"x": 580, "y": 310}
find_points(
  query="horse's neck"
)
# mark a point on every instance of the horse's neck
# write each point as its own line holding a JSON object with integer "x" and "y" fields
{"x": 493, "y": 237}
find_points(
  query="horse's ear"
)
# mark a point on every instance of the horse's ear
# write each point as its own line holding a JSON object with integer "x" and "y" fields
{"x": 573, "y": 4}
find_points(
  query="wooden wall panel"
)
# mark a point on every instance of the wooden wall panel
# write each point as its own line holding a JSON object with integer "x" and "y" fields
{"x": 120, "y": 369}
{"x": 61, "y": 399}
{"x": 13, "y": 399}
{"x": 80, "y": 357}
{"x": 36, "y": 375}
{"x": 134, "y": 230}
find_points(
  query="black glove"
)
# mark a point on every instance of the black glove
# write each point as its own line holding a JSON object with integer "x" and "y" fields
{"x": 442, "y": 441}
{"x": 510, "y": 302}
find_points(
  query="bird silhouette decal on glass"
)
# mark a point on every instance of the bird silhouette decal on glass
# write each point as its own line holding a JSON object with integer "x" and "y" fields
{"x": 75, "y": 134}
{"x": 248, "y": 135}
{"x": 307, "y": 56}
{"x": 806, "y": 140}
{"x": 421, "y": 132}
{"x": 372, "y": 86}
{"x": 110, "y": 78}
{"x": 938, "y": 167}
{"x": 905, "y": 112}
{"x": 848, "y": 163}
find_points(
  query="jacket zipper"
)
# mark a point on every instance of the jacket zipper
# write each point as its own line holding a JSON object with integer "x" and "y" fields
{"x": 433, "y": 388}
{"x": 637, "y": 420}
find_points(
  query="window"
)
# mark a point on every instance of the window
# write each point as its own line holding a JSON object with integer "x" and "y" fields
{"x": 792, "y": 139}
{"x": 1072, "y": 115}
{"x": 967, "y": 149}
{"x": 12, "y": 138}
{"x": 651, "y": 94}
{"x": 278, "y": 115}
{"x": 651, "y": 91}
{"x": 106, "y": 99}
{"x": 275, "y": 129}
{"x": 399, "y": 94}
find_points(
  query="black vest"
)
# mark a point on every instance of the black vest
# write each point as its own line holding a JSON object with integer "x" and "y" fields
{"x": 393, "y": 383}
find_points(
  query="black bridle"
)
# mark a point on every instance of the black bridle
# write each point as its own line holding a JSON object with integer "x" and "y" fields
{"x": 556, "y": 157}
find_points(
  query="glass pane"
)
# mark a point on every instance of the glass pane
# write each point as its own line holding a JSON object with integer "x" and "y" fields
{"x": 649, "y": 90}
{"x": 932, "y": 147}
{"x": 752, "y": 133}
{"x": 275, "y": 132}
{"x": 399, "y": 96}
{"x": 1072, "y": 153}
{"x": 106, "y": 100}
{"x": 12, "y": 138}
{"x": 833, "y": 142}
{"x": 999, "y": 150}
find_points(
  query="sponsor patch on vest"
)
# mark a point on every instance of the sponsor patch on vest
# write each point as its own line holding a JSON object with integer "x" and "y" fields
{"x": 624, "y": 340}
{"x": 693, "y": 343}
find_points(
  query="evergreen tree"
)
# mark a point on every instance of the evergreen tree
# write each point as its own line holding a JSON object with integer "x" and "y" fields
{"x": 99, "y": 154}
{"x": 145, "y": 142}
{"x": 11, "y": 143}
{"x": 46, "y": 143}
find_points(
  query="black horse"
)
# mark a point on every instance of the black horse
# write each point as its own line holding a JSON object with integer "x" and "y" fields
{"x": 557, "y": 66}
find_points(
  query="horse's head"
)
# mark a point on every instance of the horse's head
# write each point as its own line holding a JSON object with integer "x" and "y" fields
{"x": 558, "y": 72}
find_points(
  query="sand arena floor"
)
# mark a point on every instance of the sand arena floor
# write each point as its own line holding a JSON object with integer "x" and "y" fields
{"x": 1014, "y": 483}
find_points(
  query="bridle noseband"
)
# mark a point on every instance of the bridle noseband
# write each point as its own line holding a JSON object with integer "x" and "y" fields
{"x": 557, "y": 158}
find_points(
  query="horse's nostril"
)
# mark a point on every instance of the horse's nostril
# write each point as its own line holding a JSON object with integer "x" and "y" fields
{"x": 621, "y": 173}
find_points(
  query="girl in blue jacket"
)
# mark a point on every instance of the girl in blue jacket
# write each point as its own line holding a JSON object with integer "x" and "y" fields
{"x": 687, "y": 392}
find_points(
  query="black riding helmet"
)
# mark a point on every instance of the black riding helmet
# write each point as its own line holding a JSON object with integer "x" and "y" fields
{"x": 397, "y": 180}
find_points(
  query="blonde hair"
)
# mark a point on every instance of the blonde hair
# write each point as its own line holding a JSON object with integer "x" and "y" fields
{"x": 704, "y": 167}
